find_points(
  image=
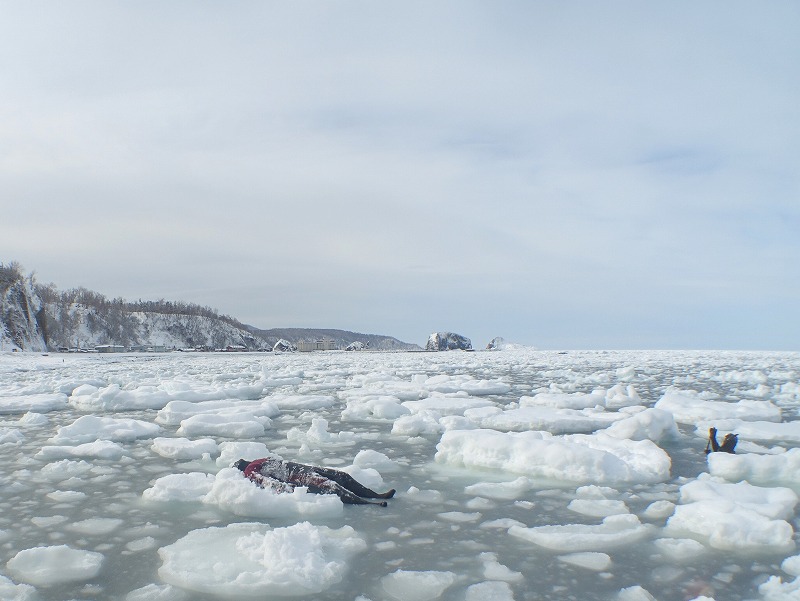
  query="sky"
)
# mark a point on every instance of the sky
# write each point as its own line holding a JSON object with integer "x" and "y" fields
{"x": 574, "y": 175}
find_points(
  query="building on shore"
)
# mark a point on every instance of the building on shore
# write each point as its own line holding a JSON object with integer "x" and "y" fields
{"x": 318, "y": 345}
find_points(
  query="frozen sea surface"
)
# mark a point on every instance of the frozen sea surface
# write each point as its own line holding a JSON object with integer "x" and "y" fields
{"x": 521, "y": 475}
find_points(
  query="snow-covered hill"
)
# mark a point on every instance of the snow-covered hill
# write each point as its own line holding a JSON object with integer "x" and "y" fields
{"x": 38, "y": 318}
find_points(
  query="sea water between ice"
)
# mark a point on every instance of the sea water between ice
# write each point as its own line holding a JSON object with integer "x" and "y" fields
{"x": 454, "y": 531}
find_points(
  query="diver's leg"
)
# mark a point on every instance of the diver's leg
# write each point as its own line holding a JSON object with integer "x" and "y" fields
{"x": 347, "y": 481}
{"x": 346, "y": 496}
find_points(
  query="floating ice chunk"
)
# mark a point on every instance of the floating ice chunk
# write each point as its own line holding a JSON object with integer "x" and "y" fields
{"x": 502, "y": 524}
{"x": 774, "y": 502}
{"x": 775, "y": 589}
{"x": 424, "y": 496}
{"x": 615, "y": 531}
{"x": 734, "y": 516}
{"x": 176, "y": 411}
{"x": 659, "y": 510}
{"x": 32, "y": 402}
{"x": 494, "y": 570}
{"x": 679, "y": 549}
{"x": 95, "y": 526}
{"x": 791, "y": 565}
{"x": 598, "y": 508}
{"x": 155, "y": 592}
{"x": 576, "y": 401}
{"x": 592, "y": 491}
{"x": 447, "y": 405}
{"x": 459, "y": 517}
{"x": 232, "y": 492}
{"x": 66, "y": 496}
{"x": 489, "y": 591}
{"x": 114, "y": 398}
{"x": 650, "y": 424}
{"x": 318, "y": 435}
{"x": 626, "y": 373}
{"x": 91, "y": 427}
{"x": 367, "y": 458}
{"x": 238, "y": 425}
{"x": 578, "y": 458}
{"x": 230, "y": 452}
{"x": 183, "y": 448}
{"x": 47, "y": 566}
{"x": 424, "y": 422}
{"x": 588, "y": 560}
{"x": 11, "y": 436}
{"x": 141, "y": 544}
{"x": 687, "y": 408}
{"x": 306, "y": 402}
{"x": 382, "y": 407}
{"x": 750, "y": 376}
{"x": 100, "y": 449}
{"x": 417, "y": 586}
{"x": 448, "y": 384}
{"x": 64, "y": 469}
{"x": 49, "y": 521}
{"x": 556, "y": 421}
{"x": 298, "y": 560}
{"x": 635, "y": 593}
{"x": 16, "y": 592}
{"x": 620, "y": 396}
{"x": 33, "y": 420}
{"x": 513, "y": 489}
{"x": 191, "y": 487}
{"x": 278, "y": 382}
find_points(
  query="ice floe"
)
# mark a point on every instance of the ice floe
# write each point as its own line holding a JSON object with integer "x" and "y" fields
{"x": 521, "y": 474}
{"x": 736, "y": 516}
{"x": 575, "y": 458}
{"x": 250, "y": 559}
{"x": 33, "y": 402}
{"x": 765, "y": 470}
{"x": 406, "y": 585}
{"x": 116, "y": 398}
{"x": 688, "y": 408}
{"x": 100, "y": 449}
{"x": 615, "y": 531}
{"x": 48, "y": 566}
{"x": 91, "y": 428}
{"x": 175, "y": 412}
{"x": 183, "y": 448}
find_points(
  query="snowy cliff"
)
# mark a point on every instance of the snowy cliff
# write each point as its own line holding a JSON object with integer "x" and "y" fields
{"x": 21, "y": 315}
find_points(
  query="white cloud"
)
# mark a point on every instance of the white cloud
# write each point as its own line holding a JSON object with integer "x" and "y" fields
{"x": 576, "y": 169}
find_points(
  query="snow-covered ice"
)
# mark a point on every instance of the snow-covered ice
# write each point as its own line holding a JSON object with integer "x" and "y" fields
{"x": 521, "y": 475}
{"x": 252, "y": 560}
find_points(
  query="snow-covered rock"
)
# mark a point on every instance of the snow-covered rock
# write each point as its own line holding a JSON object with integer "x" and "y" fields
{"x": 448, "y": 341}
{"x": 499, "y": 343}
{"x": 284, "y": 346}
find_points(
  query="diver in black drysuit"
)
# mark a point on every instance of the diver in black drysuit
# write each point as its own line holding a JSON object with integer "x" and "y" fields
{"x": 283, "y": 476}
{"x": 728, "y": 443}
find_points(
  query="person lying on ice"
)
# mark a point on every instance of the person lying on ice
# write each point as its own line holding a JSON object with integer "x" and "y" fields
{"x": 728, "y": 443}
{"x": 282, "y": 476}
